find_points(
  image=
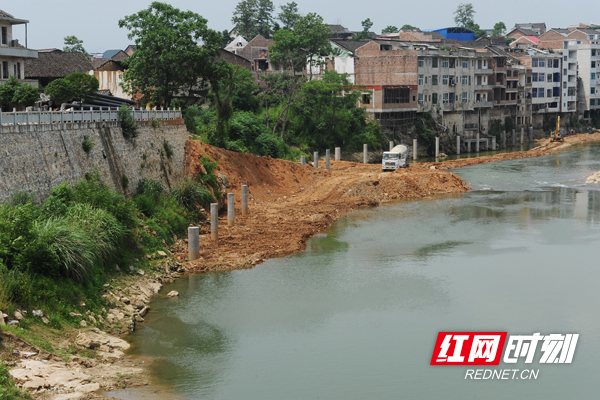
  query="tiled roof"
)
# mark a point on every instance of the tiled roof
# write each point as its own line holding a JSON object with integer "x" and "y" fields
{"x": 56, "y": 65}
{"x": 338, "y": 29}
{"x": 350, "y": 45}
{"x": 4, "y": 14}
{"x": 110, "y": 53}
{"x": 534, "y": 39}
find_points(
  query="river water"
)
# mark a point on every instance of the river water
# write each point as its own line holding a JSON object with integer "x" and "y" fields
{"x": 357, "y": 314}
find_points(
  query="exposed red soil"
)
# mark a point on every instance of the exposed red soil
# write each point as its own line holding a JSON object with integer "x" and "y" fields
{"x": 289, "y": 203}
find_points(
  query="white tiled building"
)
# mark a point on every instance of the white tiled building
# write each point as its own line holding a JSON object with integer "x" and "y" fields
{"x": 12, "y": 53}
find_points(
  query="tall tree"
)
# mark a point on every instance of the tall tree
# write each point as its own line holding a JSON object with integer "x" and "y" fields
{"x": 499, "y": 29}
{"x": 289, "y": 15}
{"x": 72, "y": 44}
{"x": 253, "y": 17}
{"x": 364, "y": 34}
{"x": 464, "y": 15}
{"x": 169, "y": 61}
{"x": 389, "y": 29}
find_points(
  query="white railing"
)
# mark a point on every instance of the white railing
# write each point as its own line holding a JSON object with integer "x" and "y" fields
{"x": 98, "y": 115}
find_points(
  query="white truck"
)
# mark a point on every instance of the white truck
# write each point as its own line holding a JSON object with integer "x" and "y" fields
{"x": 395, "y": 158}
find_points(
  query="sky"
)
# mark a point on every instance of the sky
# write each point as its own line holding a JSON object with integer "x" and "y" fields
{"x": 96, "y": 23}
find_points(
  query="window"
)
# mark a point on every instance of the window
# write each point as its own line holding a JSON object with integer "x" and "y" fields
{"x": 565, "y": 71}
{"x": 542, "y": 63}
{"x": 444, "y": 79}
{"x": 534, "y": 62}
{"x": 4, "y": 69}
{"x": 395, "y": 96}
{"x": 556, "y": 77}
{"x": 452, "y": 97}
{"x": 366, "y": 98}
{"x": 571, "y": 91}
{"x": 385, "y": 47}
{"x": 593, "y": 64}
{"x": 452, "y": 61}
{"x": 445, "y": 98}
{"x": 434, "y": 62}
{"x": 593, "y": 75}
{"x": 549, "y": 93}
{"x": 592, "y": 102}
{"x": 421, "y": 62}
{"x": 593, "y": 91}
{"x": 420, "y": 80}
{"x": 420, "y": 98}
{"x": 556, "y": 92}
{"x": 555, "y": 63}
{"x": 540, "y": 92}
{"x": 4, "y": 35}
{"x": 464, "y": 80}
{"x": 434, "y": 99}
{"x": 464, "y": 97}
{"x": 564, "y": 85}
{"x": 549, "y": 78}
{"x": 18, "y": 70}
{"x": 434, "y": 80}
{"x": 529, "y": 79}
{"x": 565, "y": 58}
{"x": 445, "y": 63}
{"x": 593, "y": 52}
{"x": 465, "y": 63}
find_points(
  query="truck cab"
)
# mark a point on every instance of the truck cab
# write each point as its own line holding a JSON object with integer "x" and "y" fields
{"x": 395, "y": 158}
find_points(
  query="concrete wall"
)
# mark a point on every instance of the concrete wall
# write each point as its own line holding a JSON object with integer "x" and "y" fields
{"x": 36, "y": 158}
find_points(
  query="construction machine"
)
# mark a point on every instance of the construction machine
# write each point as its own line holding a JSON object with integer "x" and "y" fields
{"x": 557, "y": 135}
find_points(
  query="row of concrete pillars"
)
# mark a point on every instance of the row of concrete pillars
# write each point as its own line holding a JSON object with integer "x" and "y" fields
{"x": 477, "y": 142}
{"x": 194, "y": 231}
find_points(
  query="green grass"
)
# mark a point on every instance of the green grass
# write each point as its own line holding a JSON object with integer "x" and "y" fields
{"x": 8, "y": 388}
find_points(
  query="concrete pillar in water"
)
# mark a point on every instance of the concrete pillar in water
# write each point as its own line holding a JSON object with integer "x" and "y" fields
{"x": 316, "y": 162}
{"x": 503, "y": 139}
{"x": 457, "y": 144}
{"x": 214, "y": 221}
{"x": 391, "y": 145}
{"x": 514, "y": 138}
{"x": 493, "y": 143}
{"x": 245, "y": 198}
{"x": 365, "y": 153}
{"x": 230, "y": 209}
{"x": 477, "y": 143}
{"x": 531, "y": 134}
{"x": 437, "y": 147}
{"x": 327, "y": 156}
{"x": 522, "y": 135}
{"x": 193, "y": 243}
{"x": 302, "y": 160}
{"x": 414, "y": 149}
{"x": 338, "y": 154}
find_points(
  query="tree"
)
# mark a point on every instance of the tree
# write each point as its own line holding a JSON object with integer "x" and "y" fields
{"x": 18, "y": 93}
{"x": 169, "y": 61}
{"x": 223, "y": 38}
{"x": 389, "y": 29}
{"x": 464, "y": 15}
{"x": 253, "y": 17}
{"x": 364, "y": 34}
{"x": 289, "y": 15}
{"x": 72, "y": 45}
{"x": 84, "y": 86}
{"x": 499, "y": 29}
{"x": 60, "y": 91}
{"x": 314, "y": 39}
{"x": 407, "y": 26}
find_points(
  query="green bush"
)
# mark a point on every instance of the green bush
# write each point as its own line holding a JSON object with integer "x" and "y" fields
{"x": 129, "y": 125}
{"x": 21, "y": 197}
{"x": 168, "y": 149}
{"x": 150, "y": 188}
{"x": 87, "y": 144}
{"x": 269, "y": 145}
{"x": 191, "y": 194}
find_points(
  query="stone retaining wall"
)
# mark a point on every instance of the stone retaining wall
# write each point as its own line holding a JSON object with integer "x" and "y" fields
{"x": 36, "y": 158}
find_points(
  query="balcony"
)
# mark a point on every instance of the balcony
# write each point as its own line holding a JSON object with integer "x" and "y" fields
{"x": 483, "y": 87}
{"x": 17, "y": 52}
{"x": 484, "y": 71}
{"x": 483, "y": 104}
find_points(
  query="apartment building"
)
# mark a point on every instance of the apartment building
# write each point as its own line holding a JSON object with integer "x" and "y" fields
{"x": 12, "y": 53}
{"x": 587, "y": 58}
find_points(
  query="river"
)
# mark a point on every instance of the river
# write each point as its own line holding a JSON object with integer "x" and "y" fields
{"x": 356, "y": 315}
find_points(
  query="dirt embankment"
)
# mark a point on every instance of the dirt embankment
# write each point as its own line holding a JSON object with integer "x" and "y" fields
{"x": 290, "y": 203}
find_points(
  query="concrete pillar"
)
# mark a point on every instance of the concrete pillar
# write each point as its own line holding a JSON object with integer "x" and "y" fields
{"x": 414, "y": 149}
{"x": 477, "y": 143}
{"x": 531, "y": 134}
{"x": 437, "y": 147}
{"x": 514, "y": 138}
{"x": 245, "y": 198}
{"x": 522, "y": 135}
{"x": 316, "y": 161}
{"x": 391, "y": 145}
{"x": 327, "y": 156}
{"x": 365, "y": 153}
{"x": 338, "y": 154}
{"x": 504, "y": 139}
{"x": 230, "y": 209}
{"x": 468, "y": 147}
{"x": 214, "y": 221}
{"x": 302, "y": 160}
{"x": 458, "y": 145}
{"x": 193, "y": 243}
{"x": 493, "y": 143}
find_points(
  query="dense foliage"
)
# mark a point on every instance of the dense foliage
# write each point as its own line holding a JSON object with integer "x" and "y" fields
{"x": 18, "y": 93}
{"x": 74, "y": 87}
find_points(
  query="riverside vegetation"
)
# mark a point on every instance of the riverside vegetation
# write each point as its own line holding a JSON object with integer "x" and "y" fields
{"x": 59, "y": 254}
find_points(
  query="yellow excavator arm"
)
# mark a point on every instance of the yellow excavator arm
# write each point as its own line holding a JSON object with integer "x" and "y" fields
{"x": 556, "y": 137}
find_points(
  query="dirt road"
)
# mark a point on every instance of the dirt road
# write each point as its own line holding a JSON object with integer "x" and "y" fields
{"x": 290, "y": 203}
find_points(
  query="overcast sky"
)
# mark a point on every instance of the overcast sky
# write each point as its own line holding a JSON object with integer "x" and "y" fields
{"x": 96, "y": 23}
